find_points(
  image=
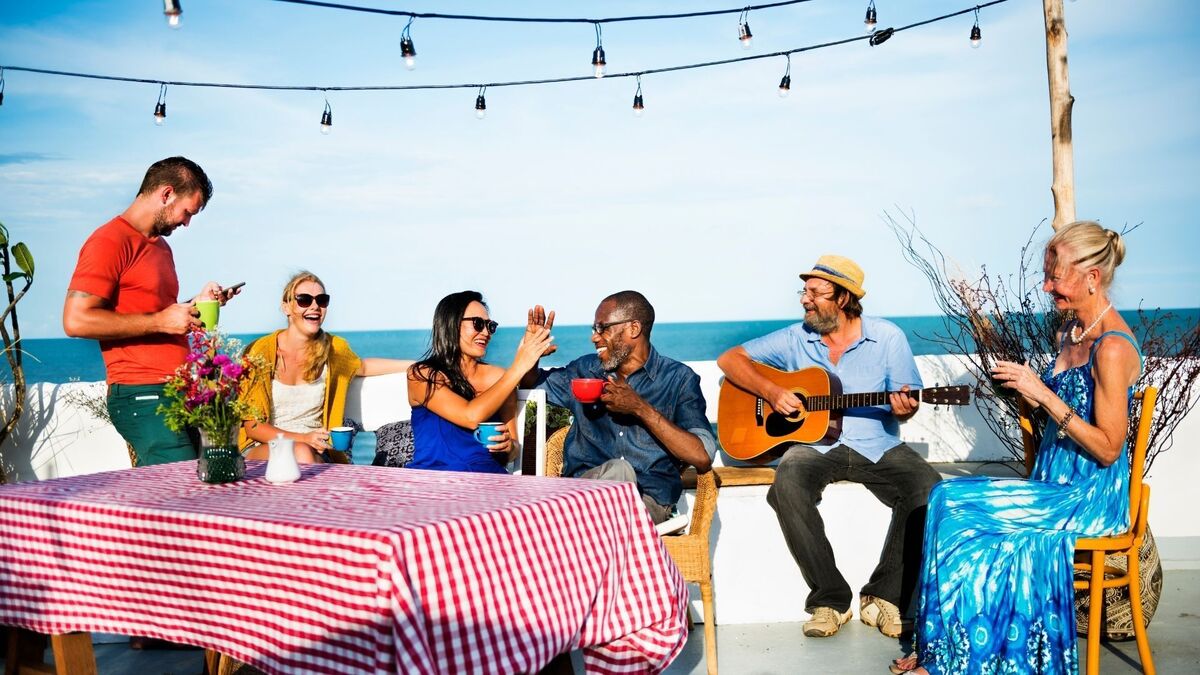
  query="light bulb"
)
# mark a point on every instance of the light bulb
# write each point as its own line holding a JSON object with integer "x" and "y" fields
{"x": 160, "y": 113}
{"x": 598, "y": 62}
{"x": 409, "y": 51}
{"x": 326, "y": 122}
{"x": 785, "y": 86}
{"x": 745, "y": 35}
{"x": 639, "y": 106}
{"x": 480, "y": 107}
{"x": 976, "y": 37}
{"x": 173, "y": 10}
{"x": 871, "y": 19}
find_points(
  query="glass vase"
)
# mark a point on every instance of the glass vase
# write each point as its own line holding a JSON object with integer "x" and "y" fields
{"x": 220, "y": 461}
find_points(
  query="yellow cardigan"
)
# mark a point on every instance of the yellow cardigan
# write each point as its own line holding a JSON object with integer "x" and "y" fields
{"x": 343, "y": 366}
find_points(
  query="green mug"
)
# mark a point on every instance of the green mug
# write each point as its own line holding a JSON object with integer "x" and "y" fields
{"x": 210, "y": 311}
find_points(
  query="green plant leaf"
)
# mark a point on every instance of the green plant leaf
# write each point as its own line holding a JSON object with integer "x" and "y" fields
{"x": 23, "y": 258}
{"x": 3, "y": 235}
{"x": 13, "y": 276}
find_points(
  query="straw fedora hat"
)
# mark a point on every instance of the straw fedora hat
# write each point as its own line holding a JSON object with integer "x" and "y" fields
{"x": 838, "y": 270}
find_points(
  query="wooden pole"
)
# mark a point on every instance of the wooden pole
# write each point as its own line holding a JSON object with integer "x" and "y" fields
{"x": 1061, "y": 103}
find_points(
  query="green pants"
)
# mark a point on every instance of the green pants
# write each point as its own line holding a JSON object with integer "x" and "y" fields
{"x": 134, "y": 412}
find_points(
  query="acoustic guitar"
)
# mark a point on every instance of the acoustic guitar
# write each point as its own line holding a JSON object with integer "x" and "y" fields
{"x": 750, "y": 430}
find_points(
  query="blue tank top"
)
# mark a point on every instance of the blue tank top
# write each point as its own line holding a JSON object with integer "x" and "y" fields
{"x": 441, "y": 445}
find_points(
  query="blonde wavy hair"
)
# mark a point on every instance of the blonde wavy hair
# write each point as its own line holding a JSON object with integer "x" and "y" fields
{"x": 1086, "y": 244}
{"x": 322, "y": 346}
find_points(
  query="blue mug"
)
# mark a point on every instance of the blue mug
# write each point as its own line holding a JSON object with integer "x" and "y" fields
{"x": 486, "y": 430}
{"x": 341, "y": 438}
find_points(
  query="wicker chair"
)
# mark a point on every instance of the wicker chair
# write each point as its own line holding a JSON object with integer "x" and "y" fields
{"x": 690, "y": 551}
{"x": 1093, "y": 551}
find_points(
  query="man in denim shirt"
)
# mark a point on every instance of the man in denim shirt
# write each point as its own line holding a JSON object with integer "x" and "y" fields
{"x": 867, "y": 355}
{"x": 649, "y": 422}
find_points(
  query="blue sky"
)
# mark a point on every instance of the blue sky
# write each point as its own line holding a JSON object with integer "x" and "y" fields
{"x": 710, "y": 203}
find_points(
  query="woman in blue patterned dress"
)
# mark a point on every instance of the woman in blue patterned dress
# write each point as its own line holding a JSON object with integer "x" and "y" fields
{"x": 996, "y": 592}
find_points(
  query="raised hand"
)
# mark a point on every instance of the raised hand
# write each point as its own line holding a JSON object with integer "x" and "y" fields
{"x": 536, "y": 343}
{"x": 538, "y": 318}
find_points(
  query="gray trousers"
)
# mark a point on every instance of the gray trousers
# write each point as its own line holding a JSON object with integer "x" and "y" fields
{"x": 621, "y": 470}
{"x": 901, "y": 479}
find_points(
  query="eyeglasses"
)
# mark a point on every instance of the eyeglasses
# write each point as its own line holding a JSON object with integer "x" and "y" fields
{"x": 603, "y": 327}
{"x": 304, "y": 300}
{"x": 812, "y": 294}
{"x": 479, "y": 323}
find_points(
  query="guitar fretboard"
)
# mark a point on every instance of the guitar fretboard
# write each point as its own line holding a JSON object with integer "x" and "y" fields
{"x": 851, "y": 400}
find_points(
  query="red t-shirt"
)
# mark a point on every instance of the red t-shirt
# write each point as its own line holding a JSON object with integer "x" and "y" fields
{"x": 136, "y": 275}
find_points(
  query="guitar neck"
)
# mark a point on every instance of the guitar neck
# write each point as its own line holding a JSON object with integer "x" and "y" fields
{"x": 843, "y": 401}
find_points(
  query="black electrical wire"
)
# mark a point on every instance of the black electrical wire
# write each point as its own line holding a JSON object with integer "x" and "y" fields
{"x": 476, "y": 85}
{"x": 534, "y": 19}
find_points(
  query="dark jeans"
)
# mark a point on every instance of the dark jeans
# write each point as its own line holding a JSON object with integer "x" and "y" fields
{"x": 134, "y": 412}
{"x": 901, "y": 479}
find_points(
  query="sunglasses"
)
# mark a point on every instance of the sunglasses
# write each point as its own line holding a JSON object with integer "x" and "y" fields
{"x": 479, "y": 323}
{"x": 304, "y": 300}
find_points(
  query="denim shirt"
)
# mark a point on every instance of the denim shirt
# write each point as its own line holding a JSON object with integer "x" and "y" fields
{"x": 597, "y": 436}
{"x": 881, "y": 360}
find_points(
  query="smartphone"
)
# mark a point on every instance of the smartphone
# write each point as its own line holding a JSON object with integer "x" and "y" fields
{"x": 235, "y": 286}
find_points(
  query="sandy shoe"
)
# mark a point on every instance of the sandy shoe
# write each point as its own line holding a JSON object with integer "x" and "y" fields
{"x": 881, "y": 614}
{"x": 826, "y": 621}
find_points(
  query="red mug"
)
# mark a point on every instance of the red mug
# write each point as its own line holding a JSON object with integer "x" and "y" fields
{"x": 586, "y": 389}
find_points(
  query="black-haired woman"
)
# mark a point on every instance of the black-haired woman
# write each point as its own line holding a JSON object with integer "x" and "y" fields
{"x": 452, "y": 390}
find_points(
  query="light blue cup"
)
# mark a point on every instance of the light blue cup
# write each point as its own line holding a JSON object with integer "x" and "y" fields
{"x": 341, "y": 438}
{"x": 486, "y": 430}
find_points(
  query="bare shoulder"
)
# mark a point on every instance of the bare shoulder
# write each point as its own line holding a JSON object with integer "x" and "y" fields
{"x": 1118, "y": 357}
{"x": 491, "y": 373}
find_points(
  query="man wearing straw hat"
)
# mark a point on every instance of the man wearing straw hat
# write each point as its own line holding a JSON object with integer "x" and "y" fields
{"x": 867, "y": 354}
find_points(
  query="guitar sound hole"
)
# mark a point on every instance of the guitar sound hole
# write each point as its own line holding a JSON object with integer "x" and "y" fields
{"x": 778, "y": 424}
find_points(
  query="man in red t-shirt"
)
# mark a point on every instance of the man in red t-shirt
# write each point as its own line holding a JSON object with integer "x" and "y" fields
{"x": 124, "y": 294}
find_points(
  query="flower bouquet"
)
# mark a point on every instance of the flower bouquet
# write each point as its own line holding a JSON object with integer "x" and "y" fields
{"x": 204, "y": 394}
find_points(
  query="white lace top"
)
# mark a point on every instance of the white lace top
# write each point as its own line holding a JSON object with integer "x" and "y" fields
{"x": 298, "y": 407}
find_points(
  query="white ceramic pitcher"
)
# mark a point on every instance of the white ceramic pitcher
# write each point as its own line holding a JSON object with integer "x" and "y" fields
{"x": 281, "y": 464}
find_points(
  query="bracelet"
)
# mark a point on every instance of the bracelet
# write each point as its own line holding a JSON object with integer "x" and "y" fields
{"x": 1062, "y": 424}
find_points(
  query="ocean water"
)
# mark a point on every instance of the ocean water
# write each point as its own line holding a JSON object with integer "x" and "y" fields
{"x": 67, "y": 359}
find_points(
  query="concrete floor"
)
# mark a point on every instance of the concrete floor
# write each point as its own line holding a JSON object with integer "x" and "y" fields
{"x": 761, "y": 649}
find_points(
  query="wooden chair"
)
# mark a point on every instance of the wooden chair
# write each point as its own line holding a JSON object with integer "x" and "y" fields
{"x": 690, "y": 551}
{"x": 1092, "y": 552}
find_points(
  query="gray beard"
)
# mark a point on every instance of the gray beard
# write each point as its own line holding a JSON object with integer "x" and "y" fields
{"x": 616, "y": 356}
{"x": 822, "y": 324}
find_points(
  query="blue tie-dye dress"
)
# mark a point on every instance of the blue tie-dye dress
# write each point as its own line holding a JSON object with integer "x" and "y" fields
{"x": 996, "y": 591}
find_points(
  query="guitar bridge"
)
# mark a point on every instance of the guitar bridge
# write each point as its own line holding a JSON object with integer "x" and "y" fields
{"x": 758, "y": 411}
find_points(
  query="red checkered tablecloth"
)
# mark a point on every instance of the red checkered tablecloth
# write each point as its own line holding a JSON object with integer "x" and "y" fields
{"x": 352, "y": 569}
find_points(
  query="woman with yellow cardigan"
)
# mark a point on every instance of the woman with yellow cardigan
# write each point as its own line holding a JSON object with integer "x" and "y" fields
{"x": 303, "y": 388}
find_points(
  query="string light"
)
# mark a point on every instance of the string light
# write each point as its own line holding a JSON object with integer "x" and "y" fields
{"x": 639, "y": 106}
{"x": 407, "y": 49}
{"x": 173, "y": 11}
{"x": 599, "y": 65}
{"x": 871, "y": 19}
{"x": 785, "y": 85}
{"x": 327, "y": 119}
{"x": 976, "y": 34}
{"x": 480, "y": 104}
{"x": 744, "y": 33}
{"x": 160, "y": 108}
{"x": 881, "y": 36}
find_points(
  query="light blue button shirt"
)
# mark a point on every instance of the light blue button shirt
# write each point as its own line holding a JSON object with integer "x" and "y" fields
{"x": 881, "y": 360}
